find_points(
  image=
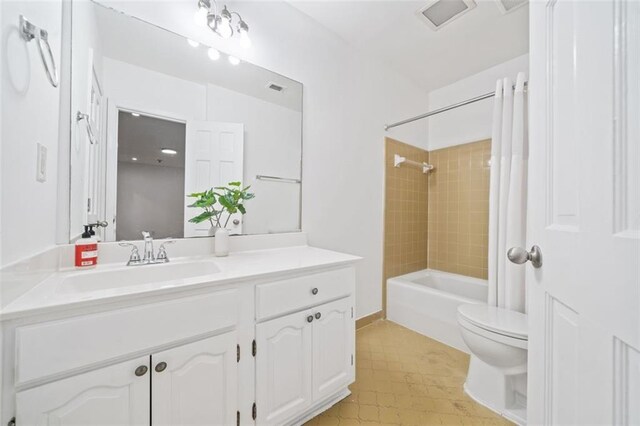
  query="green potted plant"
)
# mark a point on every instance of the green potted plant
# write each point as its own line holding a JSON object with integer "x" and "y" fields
{"x": 219, "y": 204}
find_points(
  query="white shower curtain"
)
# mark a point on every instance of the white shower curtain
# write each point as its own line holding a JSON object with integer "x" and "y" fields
{"x": 508, "y": 194}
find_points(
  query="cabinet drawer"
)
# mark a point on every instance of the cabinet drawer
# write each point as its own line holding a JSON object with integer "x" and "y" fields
{"x": 293, "y": 294}
{"x": 55, "y": 347}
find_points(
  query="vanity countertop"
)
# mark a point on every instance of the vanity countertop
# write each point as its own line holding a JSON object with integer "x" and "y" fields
{"x": 73, "y": 289}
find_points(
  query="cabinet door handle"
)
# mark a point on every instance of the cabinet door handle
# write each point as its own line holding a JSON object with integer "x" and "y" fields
{"x": 161, "y": 366}
{"x": 318, "y": 315}
{"x": 310, "y": 318}
{"x": 141, "y": 371}
{"x": 314, "y": 291}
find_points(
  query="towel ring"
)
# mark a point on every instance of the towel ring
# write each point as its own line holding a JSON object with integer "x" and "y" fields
{"x": 30, "y": 32}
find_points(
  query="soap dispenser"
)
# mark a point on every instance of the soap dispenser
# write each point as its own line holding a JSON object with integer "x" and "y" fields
{"x": 86, "y": 249}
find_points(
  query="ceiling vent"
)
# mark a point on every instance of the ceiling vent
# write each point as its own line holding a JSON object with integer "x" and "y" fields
{"x": 275, "y": 87}
{"x": 507, "y": 6}
{"x": 438, "y": 13}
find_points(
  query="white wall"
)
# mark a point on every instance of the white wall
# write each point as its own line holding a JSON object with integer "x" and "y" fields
{"x": 30, "y": 115}
{"x": 472, "y": 122}
{"x": 347, "y": 100}
{"x": 272, "y": 147}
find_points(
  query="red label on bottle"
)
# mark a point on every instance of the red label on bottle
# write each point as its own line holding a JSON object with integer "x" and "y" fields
{"x": 86, "y": 254}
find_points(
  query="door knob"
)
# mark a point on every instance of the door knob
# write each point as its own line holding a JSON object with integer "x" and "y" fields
{"x": 161, "y": 367}
{"x": 519, "y": 255}
{"x": 141, "y": 371}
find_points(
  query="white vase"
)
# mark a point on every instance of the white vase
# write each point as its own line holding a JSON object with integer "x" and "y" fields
{"x": 221, "y": 242}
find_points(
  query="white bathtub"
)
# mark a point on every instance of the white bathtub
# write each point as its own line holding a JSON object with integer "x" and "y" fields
{"x": 427, "y": 301}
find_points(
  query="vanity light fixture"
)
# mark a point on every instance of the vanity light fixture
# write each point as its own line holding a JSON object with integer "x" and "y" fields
{"x": 214, "y": 54}
{"x": 168, "y": 151}
{"x": 233, "y": 60}
{"x": 222, "y": 22}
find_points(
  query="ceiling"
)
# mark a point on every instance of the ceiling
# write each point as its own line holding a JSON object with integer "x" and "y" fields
{"x": 392, "y": 32}
{"x": 144, "y": 137}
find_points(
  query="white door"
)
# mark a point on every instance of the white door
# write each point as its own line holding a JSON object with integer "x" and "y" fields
{"x": 333, "y": 347}
{"x": 283, "y": 367}
{"x": 584, "y": 213}
{"x": 115, "y": 395}
{"x": 197, "y": 383}
{"x": 214, "y": 157}
{"x": 94, "y": 157}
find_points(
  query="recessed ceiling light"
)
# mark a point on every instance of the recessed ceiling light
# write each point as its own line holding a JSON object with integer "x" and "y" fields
{"x": 135, "y": 114}
{"x": 193, "y": 43}
{"x": 168, "y": 151}
{"x": 134, "y": 159}
{"x": 214, "y": 54}
{"x": 233, "y": 60}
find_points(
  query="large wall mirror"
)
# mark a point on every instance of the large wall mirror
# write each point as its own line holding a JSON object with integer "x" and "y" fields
{"x": 156, "y": 117}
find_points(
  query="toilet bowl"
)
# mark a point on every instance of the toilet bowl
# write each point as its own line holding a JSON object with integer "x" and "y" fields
{"x": 497, "y": 339}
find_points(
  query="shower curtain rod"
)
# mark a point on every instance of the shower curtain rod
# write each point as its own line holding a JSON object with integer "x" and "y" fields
{"x": 443, "y": 109}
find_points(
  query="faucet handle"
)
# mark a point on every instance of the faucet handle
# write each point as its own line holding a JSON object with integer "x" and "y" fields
{"x": 134, "y": 257}
{"x": 146, "y": 234}
{"x": 162, "y": 251}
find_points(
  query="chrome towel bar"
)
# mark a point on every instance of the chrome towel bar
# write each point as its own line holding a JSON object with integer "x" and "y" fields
{"x": 276, "y": 178}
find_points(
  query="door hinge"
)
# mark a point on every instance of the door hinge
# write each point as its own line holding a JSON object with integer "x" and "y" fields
{"x": 351, "y": 359}
{"x": 238, "y": 418}
{"x": 12, "y": 422}
{"x": 238, "y": 353}
{"x": 254, "y": 411}
{"x": 352, "y": 312}
{"x": 254, "y": 347}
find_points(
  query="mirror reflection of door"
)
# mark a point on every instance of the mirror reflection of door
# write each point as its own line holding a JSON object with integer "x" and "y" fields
{"x": 150, "y": 177}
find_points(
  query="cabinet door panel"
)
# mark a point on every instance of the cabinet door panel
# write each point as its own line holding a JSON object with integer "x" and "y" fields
{"x": 333, "y": 348}
{"x": 198, "y": 386}
{"x": 283, "y": 367}
{"x": 112, "y": 395}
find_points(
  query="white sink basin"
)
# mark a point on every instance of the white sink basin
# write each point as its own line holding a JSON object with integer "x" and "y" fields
{"x": 134, "y": 276}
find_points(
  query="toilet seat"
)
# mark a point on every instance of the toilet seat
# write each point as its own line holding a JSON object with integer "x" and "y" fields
{"x": 484, "y": 319}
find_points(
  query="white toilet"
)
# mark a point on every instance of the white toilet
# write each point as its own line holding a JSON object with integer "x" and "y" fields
{"x": 497, "y": 377}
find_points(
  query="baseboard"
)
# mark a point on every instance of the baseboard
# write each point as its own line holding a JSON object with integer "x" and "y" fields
{"x": 364, "y": 321}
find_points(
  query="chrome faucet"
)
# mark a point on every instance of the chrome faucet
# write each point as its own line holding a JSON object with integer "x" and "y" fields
{"x": 149, "y": 257}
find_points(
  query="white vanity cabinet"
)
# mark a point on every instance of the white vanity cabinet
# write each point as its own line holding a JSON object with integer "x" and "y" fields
{"x": 256, "y": 351}
{"x": 196, "y": 384}
{"x": 306, "y": 357}
{"x": 113, "y": 395}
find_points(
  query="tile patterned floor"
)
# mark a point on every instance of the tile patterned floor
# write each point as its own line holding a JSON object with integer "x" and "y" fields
{"x": 404, "y": 378}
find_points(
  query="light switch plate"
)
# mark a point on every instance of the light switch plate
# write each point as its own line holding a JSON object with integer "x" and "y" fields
{"x": 41, "y": 165}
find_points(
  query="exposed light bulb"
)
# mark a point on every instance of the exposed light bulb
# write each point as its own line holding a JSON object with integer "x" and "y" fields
{"x": 200, "y": 17}
{"x": 233, "y": 60}
{"x": 245, "y": 41}
{"x": 193, "y": 43}
{"x": 135, "y": 114}
{"x": 224, "y": 28}
{"x": 169, "y": 151}
{"x": 134, "y": 159}
{"x": 213, "y": 54}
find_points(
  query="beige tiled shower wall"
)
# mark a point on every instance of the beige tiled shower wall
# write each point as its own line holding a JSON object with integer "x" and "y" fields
{"x": 458, "y": 216}
{"x": 406, "y": 211}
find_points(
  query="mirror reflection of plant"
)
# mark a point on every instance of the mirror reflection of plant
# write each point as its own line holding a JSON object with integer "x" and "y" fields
{"x": 231, "y": 199}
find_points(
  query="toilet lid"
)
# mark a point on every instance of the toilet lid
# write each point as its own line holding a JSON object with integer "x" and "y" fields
{"x": 497, "y": 320}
